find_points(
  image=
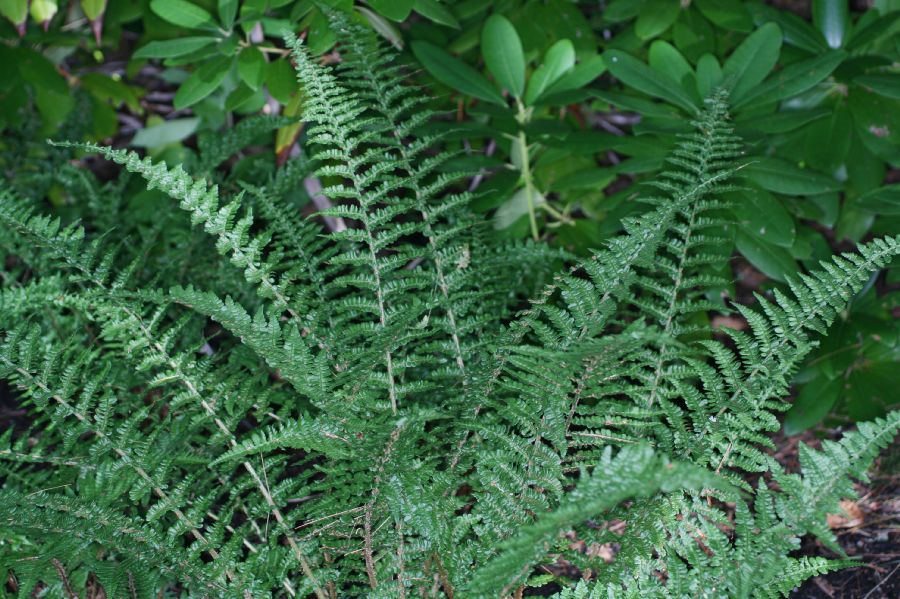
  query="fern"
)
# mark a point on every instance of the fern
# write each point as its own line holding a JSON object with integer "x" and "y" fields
{"x": 275, "y": 407}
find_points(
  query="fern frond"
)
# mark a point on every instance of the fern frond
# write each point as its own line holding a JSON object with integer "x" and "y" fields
{"x": 634, "y": 471}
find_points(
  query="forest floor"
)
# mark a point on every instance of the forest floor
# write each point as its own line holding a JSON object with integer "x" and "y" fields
{"x": 869, "y": 530}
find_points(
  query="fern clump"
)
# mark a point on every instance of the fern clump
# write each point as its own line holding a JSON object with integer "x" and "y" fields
{"x": 374, "y": 407}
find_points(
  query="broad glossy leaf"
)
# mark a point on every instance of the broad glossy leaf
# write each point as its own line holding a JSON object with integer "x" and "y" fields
{"x": 883, "y": 84}
{"x": 885, "y": 200}
{"x": 181, "y": 13}
{"x": 709, "y": 75}
{"x": 383, "y": 26}
{"x": 51, "y": 93}
{"x": 865, "y": 172}
{"x": 813, "y": 403}
{"x": 762, "y": 215}
{"x": 727, "y": 14}
{"x": 622, "y": 10}
{"x": 786, "y": 177}
{"x": 876, "y": 120}
{"x": 558, "y": 59}
{"x": 773, "y": 261}
{"x": 281, "y": 81}
{"x": 109, "y": 90}
{"x": 240, "y": 96}
{"x": 865, "y": 35}
{"x": 870, "y": 389}
{"x": 174, "y": 47}
{"x": 795, "y": 31}
{"x": 668, "y": 62}
{"x": 227, "y": 12}
{"x": 634, "y": 73}
{"x": 792, "y": 80}
{"x": 749, "y": 64}
{"x": 581, "y": 75}
{"x": 693, "y": 35}
{"x": 655, "y": 17}
{"x": 853, "y": 223}
{"x": 437, "y": 12}
{"x": 453, "y": 72}
{"x": 251, "y": 66}
{"x": 202, "y": 82}
{"x": 502, "y": 51}
{"x": 395, "y": 10}
{"x": 832, "y": 18}
{"x": 828, "y": 140}
{"x": 166, "y": 133}
{"x": 780, "y": 122}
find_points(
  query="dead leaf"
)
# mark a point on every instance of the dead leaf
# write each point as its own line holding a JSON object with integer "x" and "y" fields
{"x": 852, "y": 516}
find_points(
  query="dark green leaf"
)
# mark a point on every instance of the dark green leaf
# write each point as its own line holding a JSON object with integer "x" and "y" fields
{"x": 395, "y": 10}
{"x": 884, "y": 84}
{"x": 204, "y": 81}
{"x": 437, "y": 12}
{"x": 870, "y": 33}
{"x": 709, "y": 74}
{"x": 831, "y": 17}
{"x": 876, "y": 120}
{"x": 110, "y": 90}
{"x": 558, "y": 59}
{"x": 728, "y": 14}
{"x": 636, "y": 74}
{"x": 622, "y": 10}
{"x": 281, "y": 81}
{"x": 503, "y": 55}
{"x": 785, "y": 177}
{"x": 815, "y": 400}
{"x": 828, "y": 140}
{"x": 383, "y": 26}
{"x": 668, "y": 62}
{"x": 871, "y": 389}
{"x": 251, "y": 66}
{"x": 581, "y": 75}
{"x": 885, "y": 200}
{"x": 655, "y": 17}
{"x": 780, "y": 122}
{"x": 181, "y": 13}
{"x": 773, "y": 261}
{"x": 227, "y": 12}
{"x": 240, "y": 96}
{"x": 796, "y": 31}
{"x": 792, "y": 80}
{"x": 175, "y": 47}
{"x": 762, "y": 215}
{"x": 455, "y": 73}
{"x": 749, "y": 64}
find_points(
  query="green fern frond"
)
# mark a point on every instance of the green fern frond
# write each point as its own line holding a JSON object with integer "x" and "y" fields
{"x": 635, "y": 471}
